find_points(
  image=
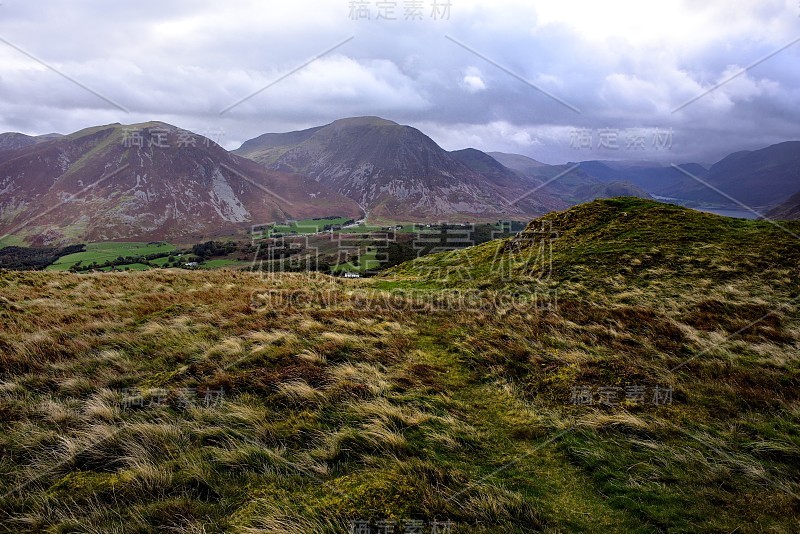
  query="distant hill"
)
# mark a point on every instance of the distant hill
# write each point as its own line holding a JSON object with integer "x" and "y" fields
{"x": 518, "y": 162}
{"x": 11, "y": 141}
{"x": 786, "y": 210}
{"x": 105, "y": 183}
{"x": 628, "y": 237}
{"x": 15, "y": 140}
{"x": 662, "y": 180}
{"x": 756, "y": 178}
{"x": 509, "y": 183}
{"x": 397, "y": 172}
{"x": 571, "y": 184}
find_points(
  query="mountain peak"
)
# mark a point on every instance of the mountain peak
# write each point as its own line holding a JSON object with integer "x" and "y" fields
{"x": 98, "y": 184}
{"x": 364, "y": 121}
{"x": 397, "y": 172}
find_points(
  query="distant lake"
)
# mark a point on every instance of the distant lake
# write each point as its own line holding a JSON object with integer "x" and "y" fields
{"x": 737, "y": 213}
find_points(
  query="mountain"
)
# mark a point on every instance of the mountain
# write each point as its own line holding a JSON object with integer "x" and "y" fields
{"x": 149, "y": 181}
{"x": 756, "y": 178}
{"x": 12, "y": 141}
{"x": 507, "y": 182}
{"x": 489, "y": 167}
{"x": 397, "y": 172}
{"x": 15, "y": 140}
{"x": 786, "y": 210}
{"x": 90, "y": 185}
{"x": 48, "y": 137}
{"x": 518, "y": 162}
{"x": 656, "y": 179}
{"x": 567, "y": 183}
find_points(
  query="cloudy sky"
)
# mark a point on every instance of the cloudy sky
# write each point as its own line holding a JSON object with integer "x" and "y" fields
{"x": 558, "y": 81}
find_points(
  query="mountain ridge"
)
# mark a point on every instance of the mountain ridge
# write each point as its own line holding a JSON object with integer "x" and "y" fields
{"x": 393, "y": 171}
{"x": 354, "y": 166}
{"x": 96, "y": 184}
{"x": 786, "y": 210}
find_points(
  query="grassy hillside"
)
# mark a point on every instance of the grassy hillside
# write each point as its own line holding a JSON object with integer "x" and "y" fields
{"x": 109, "y": 250}
{"x": 624, "y": 366}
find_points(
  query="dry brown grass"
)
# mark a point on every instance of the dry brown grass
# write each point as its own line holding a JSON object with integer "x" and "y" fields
{"x": 353, "y": 408}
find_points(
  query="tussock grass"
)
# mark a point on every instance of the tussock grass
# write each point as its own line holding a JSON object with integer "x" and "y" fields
{"x": 299, "y": 392}
{"x": 365, "y": 407}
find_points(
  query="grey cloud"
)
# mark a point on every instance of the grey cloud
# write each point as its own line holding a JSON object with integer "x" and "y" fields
{"x": 184, "y": 61}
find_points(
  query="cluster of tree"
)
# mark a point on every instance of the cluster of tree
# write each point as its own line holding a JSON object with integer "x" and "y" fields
{"x": 214, "y": 249}
{"x": 399, "y": 252}
{"x": 437, "y": 238}
{"x": 34, "y": 258}
{"x": 400, "y": 247}
{"x": 328, "y": 227}
{"x": 298, "y": 263}
{"x": 184, "y": 260}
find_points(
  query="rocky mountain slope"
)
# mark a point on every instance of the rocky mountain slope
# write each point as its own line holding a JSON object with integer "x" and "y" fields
{"x": 150, "y": 181}
{"x": 397, "y": 172}
{"x": 787, "y": 210}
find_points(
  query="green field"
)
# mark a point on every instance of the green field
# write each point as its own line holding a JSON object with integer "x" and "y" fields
{"x": 405, "y": 227}
{"x": 11, "y": 241}
{"x": 311, "y": 226}
{"x": 367, "y": 228}
{"x": 307, "y": 226}
{"x": 222, "y": 262}
{"x": 161, "y": 262}
{"x": 102, "y": 252}
{"x": 368, "y": 261}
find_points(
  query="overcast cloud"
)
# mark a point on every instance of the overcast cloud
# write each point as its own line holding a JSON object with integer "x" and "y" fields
{"x": 624, "y": 65}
